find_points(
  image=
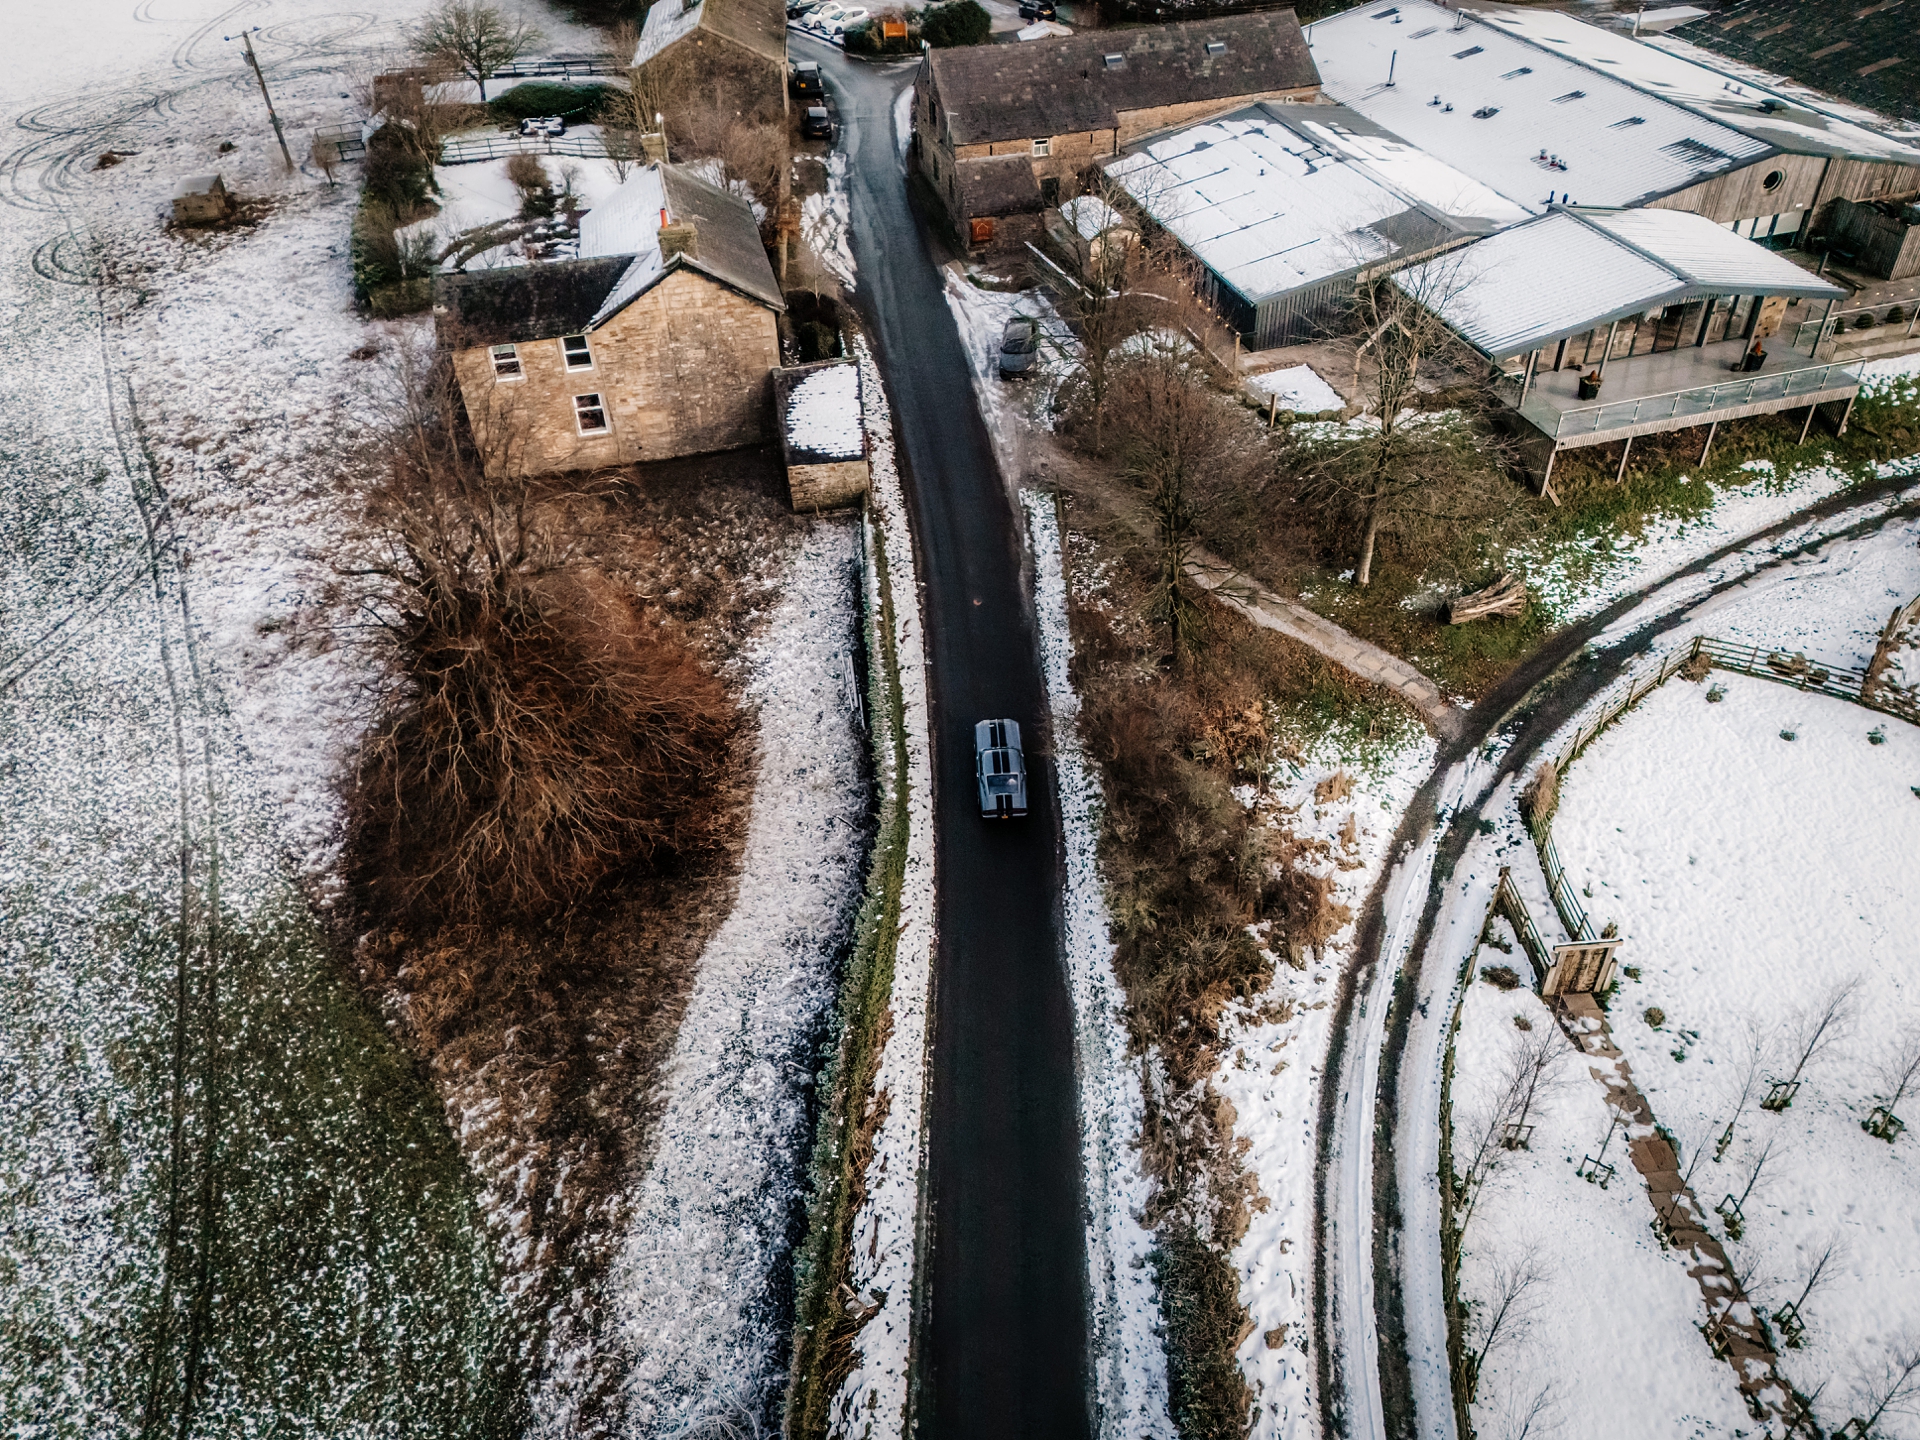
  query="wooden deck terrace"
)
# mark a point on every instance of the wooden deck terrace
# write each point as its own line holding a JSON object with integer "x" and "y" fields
{"x": 1651, "y": 394}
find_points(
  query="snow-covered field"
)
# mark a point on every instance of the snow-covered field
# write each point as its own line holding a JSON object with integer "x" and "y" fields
{"x": 167, "y": 727}
{"x": 1604, "y": 1342}
{"x": 1751, "y": 873}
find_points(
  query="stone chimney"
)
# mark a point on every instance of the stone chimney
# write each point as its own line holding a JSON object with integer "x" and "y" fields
{"x": 678, "y": 237}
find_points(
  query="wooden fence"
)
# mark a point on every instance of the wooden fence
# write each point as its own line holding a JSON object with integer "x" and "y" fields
{"x": 1843, "y": 683}
{"x": 498, "y": 147}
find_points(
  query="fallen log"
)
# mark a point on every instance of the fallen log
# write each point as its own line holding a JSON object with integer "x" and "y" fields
{"x": 1506, "y": 596}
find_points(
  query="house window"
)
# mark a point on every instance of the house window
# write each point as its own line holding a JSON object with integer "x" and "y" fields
{"x": 1043, "y": 147}
{"x": 589, "y": 414}
{"x": 1050, "y": 192}
{"x": 506, "y": 363}
{"x": 1775, "y": 179}
{"x": 578, "y": 356}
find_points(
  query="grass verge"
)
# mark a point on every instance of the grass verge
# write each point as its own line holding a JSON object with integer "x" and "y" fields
{"x": 824, "y": 1330}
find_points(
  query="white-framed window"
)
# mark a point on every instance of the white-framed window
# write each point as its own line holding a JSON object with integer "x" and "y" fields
{"x": 506, "y": 363}
{"x": 576, "y": 352}
{"x": 1043, "y": 147}
{"x": 589, "y": 415}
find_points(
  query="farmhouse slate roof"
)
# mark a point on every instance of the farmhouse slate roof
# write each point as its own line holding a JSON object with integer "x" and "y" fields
{"x": 525, "y": 302}
{"x": 998, "y": 185}
{"x": 1064, "y": 85}
{"x": 1864, "y": 53}
{"x": 543, "y": 301}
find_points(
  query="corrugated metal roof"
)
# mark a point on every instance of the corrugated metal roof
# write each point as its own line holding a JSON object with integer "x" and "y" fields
{"x": 1709, "y": 256}
{"x": 1736, "y": 102}
{"x": 1568, "y": 272}
{"x": 1514, "y": 106}
{"x": 1513, "y": 291}
{"x": 1265, "y": 209}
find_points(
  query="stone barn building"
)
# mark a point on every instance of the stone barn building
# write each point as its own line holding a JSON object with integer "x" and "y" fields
{"x": 734, "y": 51}
{"x": 1003, "y": 131}
{"x": 658, "y": 341}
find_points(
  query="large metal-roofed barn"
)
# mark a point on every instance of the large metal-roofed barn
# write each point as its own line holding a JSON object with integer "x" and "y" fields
{"x": 1613, "y": 324}
{"x": 1286, "y": 206}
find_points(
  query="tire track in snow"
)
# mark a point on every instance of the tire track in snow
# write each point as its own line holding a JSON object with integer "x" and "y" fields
{"x": 699, "y": 1289}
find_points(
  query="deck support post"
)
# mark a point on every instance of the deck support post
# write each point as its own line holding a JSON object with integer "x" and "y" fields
{"x": 1526, "y": 377}
{"x": 1809, "y": 425}
{"x": 1821, "y": 333}
{"x": 1706, "y": 319}
{"x": 1608, "y": 350}
{"x": 1621, "y": 474}
{"x": 1753, "y": 319}
{"x": 1560, "y": 355}
{"x": 1846, "y": 415}
{"x": 1546, "y": 480}
{"x": 1708, "y": 447}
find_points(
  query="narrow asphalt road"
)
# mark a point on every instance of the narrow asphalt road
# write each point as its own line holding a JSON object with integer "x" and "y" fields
{"x": 1002, "y": 1338}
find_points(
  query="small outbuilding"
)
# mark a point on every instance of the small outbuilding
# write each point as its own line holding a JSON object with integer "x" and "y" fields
{"x": 824, "y": 434}
{"x": 201, "y": 200}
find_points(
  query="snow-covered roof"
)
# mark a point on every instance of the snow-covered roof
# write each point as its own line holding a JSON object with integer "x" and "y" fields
{"x": 626, "y": 222}
{"x": 1764, "y": 114}
{"x": 1569, "y": 271}
{"x": 198, "y": 185}
{"x": 1515, "y": 106}
{"x": 1406, "y": 168}
{"x": 823, "y": 414}
{"x": 1269, "y": 209}
{"x": 1092, "y": 217}
{"x": 668, "y": 21}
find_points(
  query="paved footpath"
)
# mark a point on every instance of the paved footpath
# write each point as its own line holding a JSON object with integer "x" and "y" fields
{"x": 1733, "y": 1327}
{"x": 1240, "y": 592}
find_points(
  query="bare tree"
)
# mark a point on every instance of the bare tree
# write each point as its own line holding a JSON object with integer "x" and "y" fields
{"x": 1815, "y": 1028}
{"x": 1759, "y": 1165}
{"x": 1536, "y": 1067}
{"x": 1505, "y": 1314}
{"x": 1123, "y": 284}
{"x": 1901, "y": 1066}
{"x": 1752, "y": 1062}
{"x": 1402, "y": 469}
{"x": 1895, "y": 1388}
{"x": 1533, "y": 1067}
{"x": 477, "y": 39}
{"x": 1531, "y": 1414}
{"x": 1836, "y": 1252}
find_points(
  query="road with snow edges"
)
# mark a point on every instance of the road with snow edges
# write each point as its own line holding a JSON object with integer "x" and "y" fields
{"x": 1371, "y": 1384}
{"x": 1002, "y": 1322}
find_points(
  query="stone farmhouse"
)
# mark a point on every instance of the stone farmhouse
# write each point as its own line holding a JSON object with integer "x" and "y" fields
{"x": 737, "y": 47}
{"x": 658, "y": 341}
{"x": 1003, "y": 131}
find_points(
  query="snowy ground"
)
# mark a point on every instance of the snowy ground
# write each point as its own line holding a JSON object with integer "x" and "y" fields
{"x": 1008, "y": 406}
{"x": 1130, "y": 1364}
{"x": 1299, "y": 389}
{"x": 1750, "y": 873}
{"x": 1607, "y": 1333}
{"x": 700, "y": 1287}
{"x": 1275, "y": 1049}
{"x": 825, "y": 220}
{"x": 884, "y": 1254}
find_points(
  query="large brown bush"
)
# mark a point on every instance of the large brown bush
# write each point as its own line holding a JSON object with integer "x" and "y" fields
{"x": 536, "y": 733}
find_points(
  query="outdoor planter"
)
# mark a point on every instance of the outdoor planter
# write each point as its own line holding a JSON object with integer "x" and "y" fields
{"x": 1755, "y": 359}
{"x": 1590, "y": 386}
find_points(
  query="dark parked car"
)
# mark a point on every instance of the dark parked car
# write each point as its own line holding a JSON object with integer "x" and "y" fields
{"x": 806, "y": 80}
{"x": 1019, "y": 343}
{"x": 817, "y": 124}
{"x": 1037, "y": 10}
{"x": 1001, "y": 768}
{"x": 797, "y": 8}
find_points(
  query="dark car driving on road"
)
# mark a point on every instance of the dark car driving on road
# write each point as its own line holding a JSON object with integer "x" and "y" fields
{"x": 1001, "y": 768}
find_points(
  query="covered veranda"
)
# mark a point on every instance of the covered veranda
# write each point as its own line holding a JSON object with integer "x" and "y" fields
{"x": 1609, "y": 325}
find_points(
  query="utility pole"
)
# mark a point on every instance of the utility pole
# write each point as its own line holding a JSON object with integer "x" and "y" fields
{"x": 246, "y": 39}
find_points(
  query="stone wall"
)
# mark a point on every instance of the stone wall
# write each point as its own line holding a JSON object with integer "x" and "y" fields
{"x": 821, "y": 487}
{"x": 681, "y": 371}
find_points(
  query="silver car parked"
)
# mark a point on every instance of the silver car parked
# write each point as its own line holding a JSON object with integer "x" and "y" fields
{"x": 1001, "y": 768}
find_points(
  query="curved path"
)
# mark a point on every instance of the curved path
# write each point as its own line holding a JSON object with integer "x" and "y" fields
{"x": 1001, "y": 1324}
{"x": 1364, "y": 1380}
